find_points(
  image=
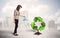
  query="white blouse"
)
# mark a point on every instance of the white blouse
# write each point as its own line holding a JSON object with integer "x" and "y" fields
{"x": 16, "y": 14}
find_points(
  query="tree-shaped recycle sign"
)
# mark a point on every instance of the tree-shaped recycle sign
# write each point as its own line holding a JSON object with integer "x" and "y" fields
{"x": 35, "y": 27}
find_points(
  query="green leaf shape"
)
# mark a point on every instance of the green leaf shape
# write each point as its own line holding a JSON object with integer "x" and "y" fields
{"x": 40, "y": 19}
{"x": 42, "y": 26}
{"x": 35, "y": 28}
{"x": 32, "y": 24}
{"x": 35, "y": 19}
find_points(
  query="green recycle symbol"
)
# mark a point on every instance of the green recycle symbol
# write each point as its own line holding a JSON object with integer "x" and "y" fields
{"x": 35, "y": 27}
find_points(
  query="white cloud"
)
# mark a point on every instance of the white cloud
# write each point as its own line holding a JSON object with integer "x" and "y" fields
{"x": 40, "y": 10}
{"x": 58, "y": 16}
{"x": 7, "y": 8}
{"x": 55, "y": 17}
{"x": 32, "y": 6}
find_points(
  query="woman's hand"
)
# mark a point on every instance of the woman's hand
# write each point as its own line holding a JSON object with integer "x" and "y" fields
{"x": 22, "y": 16}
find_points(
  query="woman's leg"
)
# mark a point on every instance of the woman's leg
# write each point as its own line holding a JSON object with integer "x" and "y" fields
{"x": 16, "y": 25}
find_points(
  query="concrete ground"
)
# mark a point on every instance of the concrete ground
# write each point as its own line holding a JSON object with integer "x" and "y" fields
{"x": 25, "y": 31}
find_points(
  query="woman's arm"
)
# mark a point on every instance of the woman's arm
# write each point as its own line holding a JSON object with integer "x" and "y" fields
{"x": 14, "y": 17}
{"x": 22, "y": 16}
{"x": 14, "y": 14}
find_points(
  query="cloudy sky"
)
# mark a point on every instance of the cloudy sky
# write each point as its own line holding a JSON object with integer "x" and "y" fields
{"x": 47, "y": 9}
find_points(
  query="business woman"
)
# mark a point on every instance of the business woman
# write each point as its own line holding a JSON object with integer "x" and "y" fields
{"x": 16, "y": 18}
